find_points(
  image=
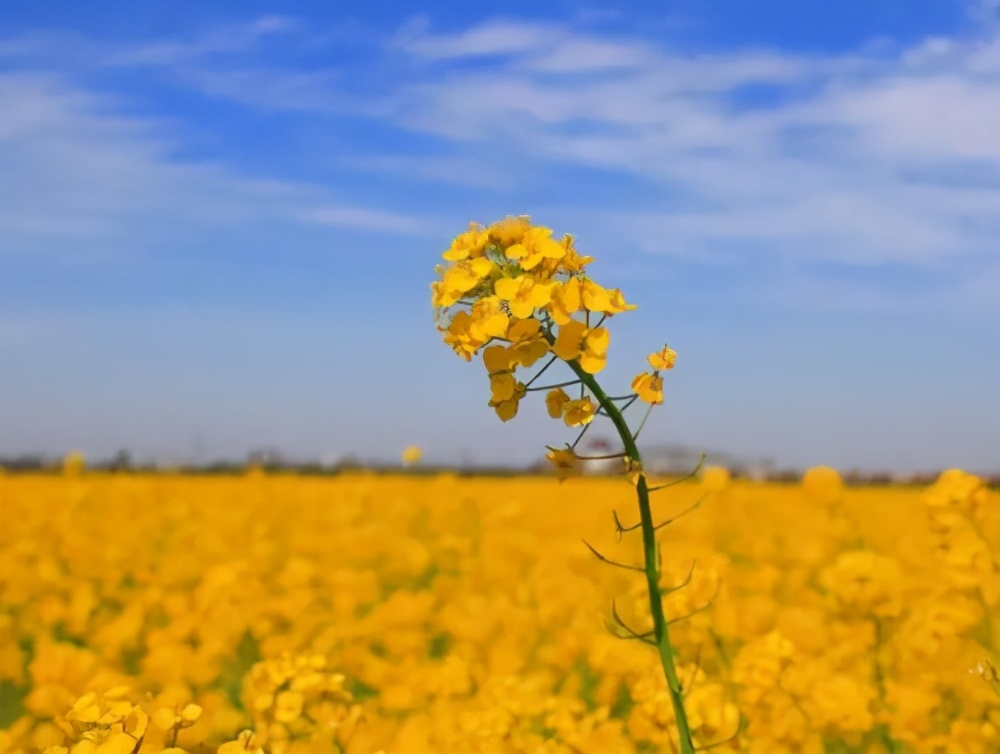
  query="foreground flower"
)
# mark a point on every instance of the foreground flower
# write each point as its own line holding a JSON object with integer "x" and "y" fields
{"x": 588, "y": 345}
{"x": 663, "y": 359}
{"x": 566, "y": 462}
{"x": 555, "y": 401}
{"x": 649, "y": 388}
{"x": 579, "y": 412}
{"x": 555, "y": 307}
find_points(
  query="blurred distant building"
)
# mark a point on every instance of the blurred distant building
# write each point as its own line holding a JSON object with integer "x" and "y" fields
{"x": 267, "y": 457}
{"x": 673, "y": 460}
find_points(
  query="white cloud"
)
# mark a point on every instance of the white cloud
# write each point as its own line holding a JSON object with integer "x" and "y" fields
{"x": 868, "y": 157}
{"x": 83, "y": 184}
{"x": 494, "y": 38}
{"x": 878, "y": 155}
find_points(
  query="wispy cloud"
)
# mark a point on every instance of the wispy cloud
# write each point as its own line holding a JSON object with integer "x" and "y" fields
{"x": 82, "y": 183}
{"x": 880, "y": 155}
{"x": 872, "y": 156}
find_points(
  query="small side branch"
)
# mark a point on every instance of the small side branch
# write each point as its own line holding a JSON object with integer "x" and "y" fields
{"x": 647, "y": 636}
{"x": 622, "y": 529}
{"x": 541, "y": 371}
{"x": 604, "y": 559}
{"x": 684, "y": 583}
{"x": 551, "y": 387}
{"x": 727, "y": 739}
{"x": 689, "y": 475}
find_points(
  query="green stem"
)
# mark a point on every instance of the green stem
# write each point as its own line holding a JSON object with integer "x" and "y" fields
{"x": 660, "y": 628}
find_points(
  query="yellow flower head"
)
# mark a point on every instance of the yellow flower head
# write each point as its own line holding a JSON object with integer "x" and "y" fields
{"x": 579, "y": 412}
{"x": 496, "y": 359}
{"x": 472, "y": 243}
{"x": 649, "y": 387}
{"x": 510, "y": 230}
{"x": 523, "y": 294}
{"x": 459, "y": 279}
{"x": 565, "y": 301}
{"x": 503, "y": 387}
{"x": 566, "y": 462}
{"x": 514, "y": 282}
{"x": 506, "y": 408}
{"x": 536, "y": 245}
{"x": 715, "y": 478}
{"x": 412, "y": 455}
{"x": 589, "y": 345}
{"x": 663, "y": 359}
{"x": 527, "y": 342}
{"x": 554, "y": 402}
{"x": 599, "y": 299}
{"x": 489, "y": 320}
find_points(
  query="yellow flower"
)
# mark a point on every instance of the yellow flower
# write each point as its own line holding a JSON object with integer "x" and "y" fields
{"x": 527, "y": 342}
{"x": 523, "y": 294}
{"x": 509, "y": 231}
{"x": 579, "y": 412}
{"x": 823, "y": 483}
{"x": 112, "y": 743}
{"x": 573, "y": 263}
{"x": 566, "y": 462}
{"x": 536, "y": 245}
{"x": 459, "y": 279}
{"x": 458, "y": 335}
{"x": 488, "y": 319}
{"x": 503, "y": 386}
{"x": 472, "y": 243}
{"x": 244, "y": 744}
{"x": 565, "y": 301}
{"x": 589, "y": 345}
{"x": 715, "y": 478}
{"x": 507, "y": 409}
{"x": 288, "y": 706}
{"x": 74, "y": 463}
{"x": 412, "y": 455}
{"x": 649, "y": 388}
{"x": 663, "y": 359}
{"x": 554, "y": 402}
{"x": 599, "y": 299}
{"x": 496, "y": 359}
{"x": 85, "y": 709}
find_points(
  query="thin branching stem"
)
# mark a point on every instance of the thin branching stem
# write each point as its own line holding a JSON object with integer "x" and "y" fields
{"x": 661, "y": 631}
{"x": 609, "y": 561}
{"x": 622, "y": 529}
{"x": 541, "y": 371}
{"x": 551, "y": 387}
{"x": 607, "y": 457}
{"x": 632, "y": 634}
{"x": 684, "y": 583}
{"x": 631, "y": 400}
{"x": 580, "y": 436}
{"x": 689, "y": 475}
{"x": 642, "y": 424}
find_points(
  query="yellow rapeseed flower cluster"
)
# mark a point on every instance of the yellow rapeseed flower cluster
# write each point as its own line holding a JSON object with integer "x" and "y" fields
{"x": 514, "y": 284}
{"x": 364, "y": 613}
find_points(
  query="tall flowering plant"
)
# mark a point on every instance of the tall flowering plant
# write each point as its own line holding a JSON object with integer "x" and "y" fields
{"x": 522, "y": 300}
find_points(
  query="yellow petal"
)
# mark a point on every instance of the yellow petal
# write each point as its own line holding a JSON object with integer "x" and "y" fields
{"x": 569, "y": 340}
{"x": 496, "y": 359}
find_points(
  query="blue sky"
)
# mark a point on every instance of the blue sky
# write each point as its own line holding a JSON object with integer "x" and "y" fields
{"x": 219, "y": 220}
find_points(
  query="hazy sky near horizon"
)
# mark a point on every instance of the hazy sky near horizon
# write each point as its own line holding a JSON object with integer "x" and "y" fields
{"x": 219, "y": 221}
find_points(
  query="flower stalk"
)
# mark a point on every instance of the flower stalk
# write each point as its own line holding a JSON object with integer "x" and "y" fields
{"x": 514, "y": 295}
{"x": 661, "y": 630}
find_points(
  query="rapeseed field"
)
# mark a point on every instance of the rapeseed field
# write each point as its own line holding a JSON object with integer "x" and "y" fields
{"x": 415, "y": 613}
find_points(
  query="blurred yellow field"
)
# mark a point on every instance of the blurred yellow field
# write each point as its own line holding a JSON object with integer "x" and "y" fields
{"x": 406, "y": 613}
